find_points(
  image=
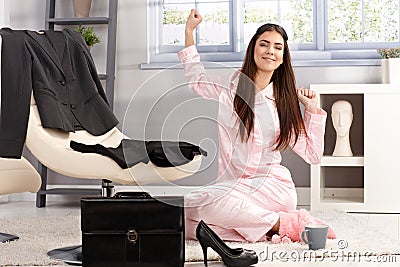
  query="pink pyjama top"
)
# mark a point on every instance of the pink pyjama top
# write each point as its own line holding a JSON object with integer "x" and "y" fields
{"x": 257, "y": 157}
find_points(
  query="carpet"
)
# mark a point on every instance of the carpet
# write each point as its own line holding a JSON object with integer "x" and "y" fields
{"x": 38, "y": 235}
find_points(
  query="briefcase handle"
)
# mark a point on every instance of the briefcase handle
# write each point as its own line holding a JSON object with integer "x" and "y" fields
{"x": 132, "y": 195}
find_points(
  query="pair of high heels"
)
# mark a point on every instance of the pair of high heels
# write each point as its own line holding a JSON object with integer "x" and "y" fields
{"x": 233, "y": 257}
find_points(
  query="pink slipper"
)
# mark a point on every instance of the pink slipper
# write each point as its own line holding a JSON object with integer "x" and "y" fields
{"x": 276, "y": 239}
{"x": 292, "y": 223}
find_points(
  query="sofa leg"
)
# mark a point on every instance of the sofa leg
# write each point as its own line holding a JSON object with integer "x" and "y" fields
{"x": 40, "y": 200}
{"x": 41, "y": 194}
{"x": 107, "y": 188}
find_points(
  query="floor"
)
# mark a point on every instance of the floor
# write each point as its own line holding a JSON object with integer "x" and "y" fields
{"x": 391, "y": 224}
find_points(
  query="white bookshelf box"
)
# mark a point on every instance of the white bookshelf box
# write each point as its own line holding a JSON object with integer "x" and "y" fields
{"x": 369, "y": 181}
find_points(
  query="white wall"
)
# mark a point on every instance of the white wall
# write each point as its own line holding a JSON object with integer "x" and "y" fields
{"x": 4, "y": 13}
{"x": 148, "y": 85}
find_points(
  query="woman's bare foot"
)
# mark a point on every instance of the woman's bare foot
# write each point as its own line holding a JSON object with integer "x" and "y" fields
{"x": 274, "y": 229}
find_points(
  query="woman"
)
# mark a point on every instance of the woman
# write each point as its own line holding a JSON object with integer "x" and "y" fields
{"x": 259, "y": 114}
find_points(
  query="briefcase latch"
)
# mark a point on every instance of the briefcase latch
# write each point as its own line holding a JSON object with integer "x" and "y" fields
{"x": 132, "y": 236}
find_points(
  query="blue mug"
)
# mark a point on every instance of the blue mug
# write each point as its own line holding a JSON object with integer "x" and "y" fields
{"x": 315, "y": 236}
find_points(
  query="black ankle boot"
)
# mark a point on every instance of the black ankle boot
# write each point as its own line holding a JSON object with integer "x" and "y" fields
{"x": 237, "y": 257}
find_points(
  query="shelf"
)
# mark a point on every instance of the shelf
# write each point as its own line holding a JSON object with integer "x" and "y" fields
{"x": 342, "y": 200}
{"x": 77, "y": 21}
{"x": 342, "y": 161}
{"x": 344, "y": 89}
{"x": 71, "y": 191}
{"x": 108, "y": 78}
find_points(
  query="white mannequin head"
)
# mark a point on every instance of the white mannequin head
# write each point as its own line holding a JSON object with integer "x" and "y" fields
{"x": 342, "y": 117}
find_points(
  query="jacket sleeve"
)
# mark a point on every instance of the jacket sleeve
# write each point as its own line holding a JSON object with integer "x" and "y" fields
{"x": 311, "y": 147}
{"x": 96, "y": 79}
{"x": 208, "y": 86}
{"x": 16, "y": 88}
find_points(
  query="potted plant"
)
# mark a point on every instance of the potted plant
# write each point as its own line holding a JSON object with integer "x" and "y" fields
{"x": 81, "y": 8}
{"x": 390, "y": 64}
{"x": 89, "y": 35}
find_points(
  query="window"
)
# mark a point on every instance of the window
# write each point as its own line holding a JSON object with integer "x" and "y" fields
{"x": 295, "y": 16}
{"x": 362, "y": 23}
{"x": 213, "y": 33}
{"x": 312, "y": 26}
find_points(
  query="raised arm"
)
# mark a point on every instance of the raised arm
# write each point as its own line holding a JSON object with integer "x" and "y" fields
{"x": 208, "y": 86}
{"x": 311, "y": 147}
{"x": 192, "y": 22}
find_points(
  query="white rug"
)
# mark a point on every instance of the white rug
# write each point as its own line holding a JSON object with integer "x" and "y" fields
{"x": 39, "y": 235}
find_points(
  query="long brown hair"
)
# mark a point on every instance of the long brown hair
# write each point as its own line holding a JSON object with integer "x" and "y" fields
{"x": 285, "y": 93}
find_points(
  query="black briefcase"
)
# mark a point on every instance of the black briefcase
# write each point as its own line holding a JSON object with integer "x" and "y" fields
{"x": 133, "y": 229}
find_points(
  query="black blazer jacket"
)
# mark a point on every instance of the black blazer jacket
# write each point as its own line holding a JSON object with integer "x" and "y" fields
{"x": 66, "y": 87}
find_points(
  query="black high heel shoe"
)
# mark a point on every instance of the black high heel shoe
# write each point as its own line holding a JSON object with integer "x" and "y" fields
{"x": 237, "y": 257}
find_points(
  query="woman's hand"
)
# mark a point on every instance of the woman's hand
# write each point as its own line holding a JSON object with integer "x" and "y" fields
{"x": 308, "y": 98}
{"x": 192, "y": 22}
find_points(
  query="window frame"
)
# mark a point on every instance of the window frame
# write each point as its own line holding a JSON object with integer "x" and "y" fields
{"x": 353, "y": 46}
{"x": 203, "y": 48}
{"x": 306, "y": 54}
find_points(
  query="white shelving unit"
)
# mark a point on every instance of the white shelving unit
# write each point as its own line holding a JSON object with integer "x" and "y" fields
{"x": 375, "y": 167}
